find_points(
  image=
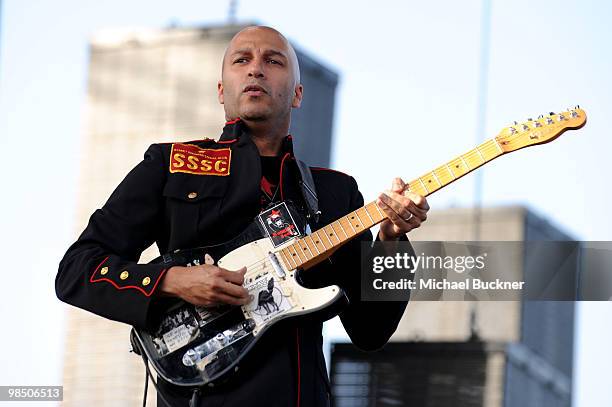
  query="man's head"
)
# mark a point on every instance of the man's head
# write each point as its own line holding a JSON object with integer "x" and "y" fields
{"x": 260, "y": 76}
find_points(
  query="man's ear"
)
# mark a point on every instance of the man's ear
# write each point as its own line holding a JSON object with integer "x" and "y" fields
{"x": 297, "y": 96}
{"x": 220, "y": 92}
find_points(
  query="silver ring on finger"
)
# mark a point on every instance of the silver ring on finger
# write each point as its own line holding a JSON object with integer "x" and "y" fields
{"x": 409, "y": 217}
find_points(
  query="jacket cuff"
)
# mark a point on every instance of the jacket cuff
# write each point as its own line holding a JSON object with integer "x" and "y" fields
{"x": 143, "y": 278}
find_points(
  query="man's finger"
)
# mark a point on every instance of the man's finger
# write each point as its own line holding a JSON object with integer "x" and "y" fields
{"x": 396, "y": 218}
{"x": 233, "y": 290}
{"x": 236, "y": 277}
{"x": 397, "y": 185}
{"x": 419, "y": 201}
{"x": 228, "y": 299}
{"x": 397, "y": 206}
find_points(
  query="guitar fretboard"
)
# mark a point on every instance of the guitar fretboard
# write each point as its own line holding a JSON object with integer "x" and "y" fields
{"x": 314, "y": 248}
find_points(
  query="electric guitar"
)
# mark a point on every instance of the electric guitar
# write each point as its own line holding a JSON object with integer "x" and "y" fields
{"x": 194, "y": 345}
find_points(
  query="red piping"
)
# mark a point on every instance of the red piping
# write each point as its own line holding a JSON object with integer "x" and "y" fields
{"x": 91, "y": 280}
{"x": 297, "y": 338}
{"x": 280, "y": 181}
{"x": 227, "y": 141}
{"x": 237, "y": 119}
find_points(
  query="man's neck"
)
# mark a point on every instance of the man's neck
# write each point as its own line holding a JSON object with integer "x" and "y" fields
{"x": 268, "y": 136}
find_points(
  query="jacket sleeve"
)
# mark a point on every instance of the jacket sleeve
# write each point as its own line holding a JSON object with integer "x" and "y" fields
{"x": 369, "y": 324}
{"x": 99, "y": 272}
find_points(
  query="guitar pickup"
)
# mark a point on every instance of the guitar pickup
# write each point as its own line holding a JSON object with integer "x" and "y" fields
{"x": 278, "y": 269}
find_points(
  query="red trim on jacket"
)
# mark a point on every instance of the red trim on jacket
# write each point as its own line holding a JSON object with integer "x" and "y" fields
{"x": 227, "y": 141}
{"x": 91, "y": 280}
{"x": 236, "y": 120}
{"x": 280, "y": 181}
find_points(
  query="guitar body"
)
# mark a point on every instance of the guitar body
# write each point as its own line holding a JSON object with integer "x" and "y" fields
{"x": 195, "y": 345}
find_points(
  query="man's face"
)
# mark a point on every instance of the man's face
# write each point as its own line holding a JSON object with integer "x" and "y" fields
{"x": 259, "y": 80}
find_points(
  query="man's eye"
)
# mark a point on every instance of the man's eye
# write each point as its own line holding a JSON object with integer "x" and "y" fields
{"x": 274, "y": 61}
{"x": 239, "y": 60}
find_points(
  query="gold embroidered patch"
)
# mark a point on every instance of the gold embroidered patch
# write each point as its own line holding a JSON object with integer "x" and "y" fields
{"x": 200, "y": 161}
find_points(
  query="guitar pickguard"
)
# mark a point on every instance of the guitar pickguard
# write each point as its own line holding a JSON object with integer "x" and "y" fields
{"x": 195, "y": 345}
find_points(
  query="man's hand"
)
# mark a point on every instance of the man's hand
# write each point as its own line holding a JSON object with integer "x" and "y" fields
{"x": 405, "y": 210}
{"x": 206, "y": 285}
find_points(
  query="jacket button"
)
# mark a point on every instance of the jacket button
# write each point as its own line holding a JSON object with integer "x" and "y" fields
{"x": 192, "y": 195}
{"x": 146, "y": 281}
{"x": 124, "y": 274}
{"x": 104, "y": 270}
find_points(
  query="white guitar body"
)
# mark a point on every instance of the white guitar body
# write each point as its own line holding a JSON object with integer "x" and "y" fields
{"x": 283, "y": 298}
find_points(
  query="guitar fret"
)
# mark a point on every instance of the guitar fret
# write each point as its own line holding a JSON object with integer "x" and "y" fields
{"x": 296, "y": 252}
{"x": 379, "y": 211}
{"x": 464, "y": 163}
{"x": 359, "y": 218}
{"x": 286, "y": 259}
{"x": 343, "y": 230}
{"x": 300, "y": 252}
{"x": 370, "y": 204}
{"x": 451, "y": 171}
{"x": 307, "y": 247}
{"x": 436, "y": 177}
{"x": 317, "y": 234}
{"x": 350, "y": 224}
{"x": 366, "y": 211}
{"x": 291, "y": 258}
{"x": 327, "y": 237}
{"x": 313, "y": 244}
{"x": 333, "y": 232}
{"x": 423, "y": 184}
{"x": 498, "y": 146}
{"x": 480, "y": 154}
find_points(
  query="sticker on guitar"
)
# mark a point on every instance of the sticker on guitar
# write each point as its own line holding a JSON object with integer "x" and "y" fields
{"x": 279, "y": 224}
{"x": 268, "y": 299}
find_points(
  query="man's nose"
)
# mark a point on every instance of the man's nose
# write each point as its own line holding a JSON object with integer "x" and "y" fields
{"x": 256, "y": 68}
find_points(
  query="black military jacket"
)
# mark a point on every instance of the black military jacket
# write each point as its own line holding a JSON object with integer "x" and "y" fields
{"x": 165, "y": 201}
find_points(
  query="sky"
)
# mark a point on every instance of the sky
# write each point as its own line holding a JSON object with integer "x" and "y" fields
{"x": 407, "y": 101}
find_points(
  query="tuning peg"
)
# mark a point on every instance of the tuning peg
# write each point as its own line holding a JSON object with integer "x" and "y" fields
{"x": 515, "y": 122}
{"x": 530, "y": 119}
{"x": 552, "y": 113}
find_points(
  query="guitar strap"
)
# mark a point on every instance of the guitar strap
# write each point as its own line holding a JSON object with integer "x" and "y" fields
{"x": 309, "y": 193}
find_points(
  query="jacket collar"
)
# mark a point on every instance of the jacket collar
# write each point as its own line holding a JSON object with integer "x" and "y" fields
{"x": 235, "y": 129}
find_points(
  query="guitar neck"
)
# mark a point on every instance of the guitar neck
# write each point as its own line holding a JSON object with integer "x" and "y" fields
{"x": 318, "y": 246}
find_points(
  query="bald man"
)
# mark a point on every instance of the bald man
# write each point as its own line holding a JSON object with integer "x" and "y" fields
{"x": 206, "y": 192}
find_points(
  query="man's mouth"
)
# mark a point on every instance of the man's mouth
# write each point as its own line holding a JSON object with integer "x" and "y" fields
{"x": 254, "y": 90}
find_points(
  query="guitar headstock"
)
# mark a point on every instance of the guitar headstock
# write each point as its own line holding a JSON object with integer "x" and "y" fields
{"x": 544, "y": 129}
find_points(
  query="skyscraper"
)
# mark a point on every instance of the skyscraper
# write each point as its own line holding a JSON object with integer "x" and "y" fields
{"x": 468, "y": 353}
